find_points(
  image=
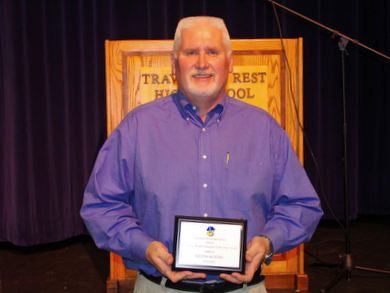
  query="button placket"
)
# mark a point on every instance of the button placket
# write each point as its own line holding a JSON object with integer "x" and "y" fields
{"x": 204, "y": 171}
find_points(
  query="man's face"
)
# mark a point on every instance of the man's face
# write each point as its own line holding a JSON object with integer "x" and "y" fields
{"x": 202, "y": 65}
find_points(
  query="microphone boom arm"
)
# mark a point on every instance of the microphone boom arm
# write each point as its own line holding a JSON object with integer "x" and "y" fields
{"x": 335, "y": 32}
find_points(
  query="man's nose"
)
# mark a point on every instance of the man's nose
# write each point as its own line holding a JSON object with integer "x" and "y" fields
{"x": 202, "y": 61}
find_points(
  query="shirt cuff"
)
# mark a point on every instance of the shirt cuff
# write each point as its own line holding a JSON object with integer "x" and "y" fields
{"x": 139, "y": 243}
{"x": 276, "y": 237}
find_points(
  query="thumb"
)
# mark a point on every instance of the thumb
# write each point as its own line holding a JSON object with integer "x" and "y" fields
{"x": 167, "y": 258}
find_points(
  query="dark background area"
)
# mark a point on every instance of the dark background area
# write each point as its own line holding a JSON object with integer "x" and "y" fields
{"x": 52, "y": 98}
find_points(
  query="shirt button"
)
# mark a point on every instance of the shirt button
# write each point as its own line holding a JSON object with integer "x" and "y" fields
{"x": 204, "y": 157}
{"x": 194, "y": 108}
{"x": 203, "y": 129}
{"x": 205, "y": 185}
{"x": 205, "y": 214}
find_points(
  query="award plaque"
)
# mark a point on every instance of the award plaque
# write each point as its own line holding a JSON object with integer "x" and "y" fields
{"x": 209, "y": 245}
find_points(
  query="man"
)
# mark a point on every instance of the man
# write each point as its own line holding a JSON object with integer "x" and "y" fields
{"x": 198, "y": 153}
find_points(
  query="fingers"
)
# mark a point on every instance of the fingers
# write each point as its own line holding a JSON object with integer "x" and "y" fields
{"x": 239, "y": 278}
{"x": 250, "y": 269}
{"x": 256, "y": 249}
{"x": 184, "y": 275}
{"x": 233, "y": 278}
{"x": 158, "y": 255}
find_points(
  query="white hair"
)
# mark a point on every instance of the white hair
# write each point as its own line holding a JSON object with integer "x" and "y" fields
{"x": 190, "y": 22}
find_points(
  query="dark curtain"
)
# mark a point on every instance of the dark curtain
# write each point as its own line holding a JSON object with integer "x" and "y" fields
{"x": 52, "y": 93}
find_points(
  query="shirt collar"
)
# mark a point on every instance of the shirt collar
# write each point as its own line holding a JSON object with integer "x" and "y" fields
{"x": 188, "y": 110}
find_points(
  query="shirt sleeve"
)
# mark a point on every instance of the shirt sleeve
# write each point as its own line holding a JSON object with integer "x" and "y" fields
{"x": 107, "y": 207}
{"x": 296, "y": 208}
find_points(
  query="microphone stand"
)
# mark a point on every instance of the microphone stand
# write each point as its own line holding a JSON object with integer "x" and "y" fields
{"x": 335, "y": 32}
{"x": 346, "y": 266}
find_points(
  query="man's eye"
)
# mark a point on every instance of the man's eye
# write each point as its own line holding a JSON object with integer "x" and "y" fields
{"x": 213, "y": 53}
{"x": 191, "y": 53}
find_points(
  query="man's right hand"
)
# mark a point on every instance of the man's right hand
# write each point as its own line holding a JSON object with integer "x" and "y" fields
{"x": 158, "y": 255}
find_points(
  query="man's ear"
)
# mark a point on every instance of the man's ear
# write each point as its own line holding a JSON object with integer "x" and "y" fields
{"x": 231, "y": 63}
{"x": 173, "y": 64}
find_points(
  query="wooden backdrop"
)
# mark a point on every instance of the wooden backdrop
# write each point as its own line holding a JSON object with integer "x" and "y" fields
{"x": 267, "y": 73}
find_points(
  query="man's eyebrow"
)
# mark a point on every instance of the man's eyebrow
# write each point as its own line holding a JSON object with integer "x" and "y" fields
{"x": 213, "y": 48}
{"x": 206, "y": 48}
{"x": 191, "y": 49}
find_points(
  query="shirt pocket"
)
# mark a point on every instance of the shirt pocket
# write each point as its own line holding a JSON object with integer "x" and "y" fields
{"x": 242, "y": 184}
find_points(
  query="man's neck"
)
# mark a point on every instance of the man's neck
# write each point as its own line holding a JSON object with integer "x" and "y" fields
{"x": 205, "y": 106}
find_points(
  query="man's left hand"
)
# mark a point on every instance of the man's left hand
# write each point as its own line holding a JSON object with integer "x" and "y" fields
{"x": 256, "y": 249}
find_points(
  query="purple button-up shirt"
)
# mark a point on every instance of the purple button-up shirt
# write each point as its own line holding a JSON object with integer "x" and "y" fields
{"x": 162, "y": 161}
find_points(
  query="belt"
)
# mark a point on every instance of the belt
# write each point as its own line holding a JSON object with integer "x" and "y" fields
{"x": 217, "y": 287}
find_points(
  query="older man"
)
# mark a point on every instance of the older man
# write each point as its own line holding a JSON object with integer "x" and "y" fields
{"x": 198, "y": 153}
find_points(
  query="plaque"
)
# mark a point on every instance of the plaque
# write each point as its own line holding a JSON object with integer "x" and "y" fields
{"x": 209, "y": 245}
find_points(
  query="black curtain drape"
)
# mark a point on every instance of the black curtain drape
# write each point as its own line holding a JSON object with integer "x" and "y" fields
{"x": 52, "y": 95}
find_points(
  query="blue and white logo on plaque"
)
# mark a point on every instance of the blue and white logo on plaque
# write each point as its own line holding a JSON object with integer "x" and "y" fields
{"x": 210, "y": 231}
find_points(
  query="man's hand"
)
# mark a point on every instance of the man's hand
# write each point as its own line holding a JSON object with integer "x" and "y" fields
{"x": 158, "y": 255}
{"x": 256, "y": 249}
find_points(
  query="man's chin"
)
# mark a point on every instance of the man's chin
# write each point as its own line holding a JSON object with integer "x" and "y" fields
{"x": 203, "y": 93}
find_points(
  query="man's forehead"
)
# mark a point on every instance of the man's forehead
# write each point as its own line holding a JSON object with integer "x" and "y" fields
{"x": 193, "y": 36}
{"x": 201, "y": 28}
